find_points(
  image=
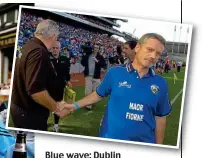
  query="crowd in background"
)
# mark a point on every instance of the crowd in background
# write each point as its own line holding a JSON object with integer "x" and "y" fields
{"x": 70, "y": 36}
{"x": 74, "y": 37}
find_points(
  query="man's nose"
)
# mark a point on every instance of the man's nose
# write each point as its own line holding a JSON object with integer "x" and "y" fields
{"x": 153, "y": 55}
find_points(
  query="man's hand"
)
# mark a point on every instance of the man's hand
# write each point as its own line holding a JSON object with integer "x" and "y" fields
{"x": 66, "y": 109}
{"x": 62, "y": 113}
{"x": 60, "y": 106}
{"x": 70, "y": 107}
{"x": 88, "y": 100}
{"x": 69, "y": 84}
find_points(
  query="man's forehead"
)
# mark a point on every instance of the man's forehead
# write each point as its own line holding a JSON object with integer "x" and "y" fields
{"x": 147, "y": 40}
{"x": 56, "y": 44}
{"x": 154, "y": 43}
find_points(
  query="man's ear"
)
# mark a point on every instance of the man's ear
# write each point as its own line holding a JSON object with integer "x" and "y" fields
{"x": 137, "y": 48}
{"x": 54, "y": 37}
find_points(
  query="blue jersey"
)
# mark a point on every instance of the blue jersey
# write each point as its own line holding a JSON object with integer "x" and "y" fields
{"x": 133, "y": 104}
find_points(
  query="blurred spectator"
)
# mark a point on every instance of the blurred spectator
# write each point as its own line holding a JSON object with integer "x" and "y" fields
{"x": 179, "y": 65}
{"x": 129, "y": 50}
{"x": 5, "y": 86}
{"x": 93, "y": 63}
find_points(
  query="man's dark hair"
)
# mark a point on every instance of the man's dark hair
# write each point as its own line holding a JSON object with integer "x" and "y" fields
{"x": 87, "y": 43}
{"x": 66, "y": 48}
{"x": 119, "y": 50}
{"x": 131, "y": 43}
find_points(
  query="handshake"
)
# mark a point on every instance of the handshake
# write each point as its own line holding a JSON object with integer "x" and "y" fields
{"x": 64, "y": 109}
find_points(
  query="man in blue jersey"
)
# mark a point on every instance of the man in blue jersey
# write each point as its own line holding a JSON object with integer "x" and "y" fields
{"x": 138, "y": 102}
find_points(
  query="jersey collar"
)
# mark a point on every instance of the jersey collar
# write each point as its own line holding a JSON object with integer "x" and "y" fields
{"x": 130, "y": 68}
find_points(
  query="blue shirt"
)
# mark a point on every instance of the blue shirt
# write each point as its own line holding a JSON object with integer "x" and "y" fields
{"x": 133, "y": 104}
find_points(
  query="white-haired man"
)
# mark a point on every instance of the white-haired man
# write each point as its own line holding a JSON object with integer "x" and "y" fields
{"x": 33, "y": 80}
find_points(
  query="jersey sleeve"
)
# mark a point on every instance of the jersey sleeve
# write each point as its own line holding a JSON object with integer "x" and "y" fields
{"x": 105, "y": 87}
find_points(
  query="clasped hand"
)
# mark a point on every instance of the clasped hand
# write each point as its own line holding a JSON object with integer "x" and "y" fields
{"x": 64, "y": 109}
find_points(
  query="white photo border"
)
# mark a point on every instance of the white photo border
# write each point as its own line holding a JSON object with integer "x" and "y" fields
{"x": 91, "y": 137}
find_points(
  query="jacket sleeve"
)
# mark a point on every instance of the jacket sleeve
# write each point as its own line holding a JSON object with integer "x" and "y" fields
{"x": 102, "y": 62}
{"x": 83, "y": 60}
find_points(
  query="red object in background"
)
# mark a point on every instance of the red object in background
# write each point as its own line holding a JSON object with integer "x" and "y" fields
{"x": 167, "y": 60}
{"x": 73, "y": 60}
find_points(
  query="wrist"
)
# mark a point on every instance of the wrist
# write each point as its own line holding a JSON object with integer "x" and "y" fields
{"x": 56, "y": 109}
{"x": 76, "y": 106}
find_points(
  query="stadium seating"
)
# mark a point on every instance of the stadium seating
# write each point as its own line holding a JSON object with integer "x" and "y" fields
{"x": 70, "y": 36}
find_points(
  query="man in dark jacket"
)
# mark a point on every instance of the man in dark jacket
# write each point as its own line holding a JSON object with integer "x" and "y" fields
{"x": 116, "y": 57}
{"x": 61, "y": 65}
{"x": 93, "y": 62}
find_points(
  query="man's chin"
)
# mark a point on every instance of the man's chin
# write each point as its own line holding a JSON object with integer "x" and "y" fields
{"x": 146, "y": 66}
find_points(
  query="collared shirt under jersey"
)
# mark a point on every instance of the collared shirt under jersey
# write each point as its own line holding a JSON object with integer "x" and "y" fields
{"x": 133, "y": 104}
{"x": 91, "y": 65}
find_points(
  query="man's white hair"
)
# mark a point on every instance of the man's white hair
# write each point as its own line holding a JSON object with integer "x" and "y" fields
{"x": 46, "y": 29}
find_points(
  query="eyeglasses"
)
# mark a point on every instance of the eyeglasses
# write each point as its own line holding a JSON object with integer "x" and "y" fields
{"x": 96, "y": 47}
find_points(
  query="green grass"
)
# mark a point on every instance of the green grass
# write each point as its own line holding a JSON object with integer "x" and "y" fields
{"x": 83, "y": 122}
{"x": 173, "y": 123}
{"x": 173, "y": 119}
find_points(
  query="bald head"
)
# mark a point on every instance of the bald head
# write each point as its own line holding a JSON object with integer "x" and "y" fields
{"x": 55, "y": 50}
